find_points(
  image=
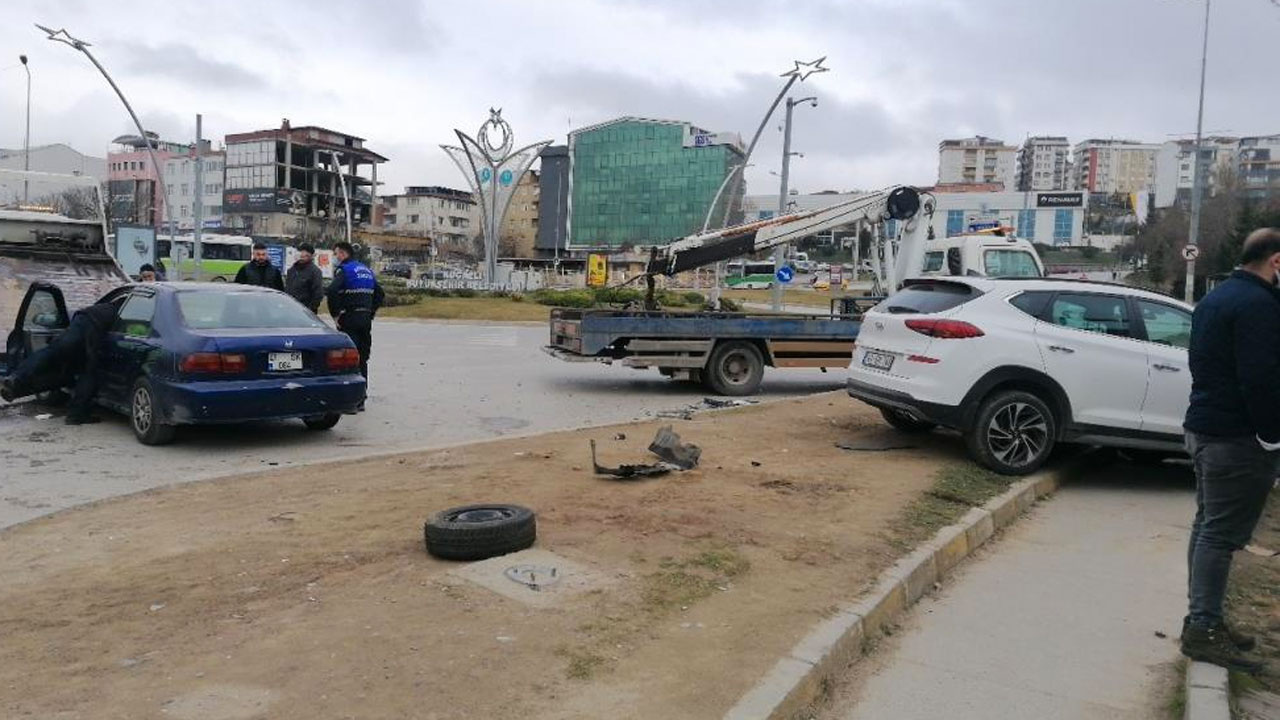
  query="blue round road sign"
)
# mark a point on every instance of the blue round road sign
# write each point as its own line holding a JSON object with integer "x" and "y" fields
{"x": 784, "y": 274}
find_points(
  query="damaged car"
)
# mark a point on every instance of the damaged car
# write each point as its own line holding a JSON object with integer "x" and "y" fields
{"x": 205, "y": 353}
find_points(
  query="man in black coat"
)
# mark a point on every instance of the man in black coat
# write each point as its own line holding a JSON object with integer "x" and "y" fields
{"x": 1233, "y": 435}
{"x": 304, "y": 282}
{"x": 259, "y": 270}
{"x": 75, "y": 352}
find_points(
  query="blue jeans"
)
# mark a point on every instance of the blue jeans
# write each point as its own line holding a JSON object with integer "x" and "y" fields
{"x": 1233, "y": 478}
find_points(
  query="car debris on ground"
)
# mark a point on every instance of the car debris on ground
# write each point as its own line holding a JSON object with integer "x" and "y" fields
{"x": 666, "y": 444}
{"x": 707, "y": 403}
{"x": 873, "y": 446}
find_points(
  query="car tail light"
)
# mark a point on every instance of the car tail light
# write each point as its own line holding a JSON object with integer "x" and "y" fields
{"x": 214, "y": 363}
{"x": 344, "y": 359}
{"x": 945, "y": 329}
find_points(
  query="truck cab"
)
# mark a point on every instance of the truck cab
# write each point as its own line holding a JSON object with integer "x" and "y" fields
{"x": 986, "y": 254}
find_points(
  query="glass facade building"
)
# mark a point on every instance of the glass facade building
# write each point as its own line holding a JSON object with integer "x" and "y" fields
{"x": 637, "y": 182}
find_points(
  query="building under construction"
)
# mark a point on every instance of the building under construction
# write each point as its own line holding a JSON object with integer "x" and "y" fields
{"x": 287, "y": 182}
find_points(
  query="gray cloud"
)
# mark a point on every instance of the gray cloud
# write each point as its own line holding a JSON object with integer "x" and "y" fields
{"x": 185, "y": 64}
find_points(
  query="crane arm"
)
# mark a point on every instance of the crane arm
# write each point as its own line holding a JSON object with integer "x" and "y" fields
{"x": 899, "y": 203}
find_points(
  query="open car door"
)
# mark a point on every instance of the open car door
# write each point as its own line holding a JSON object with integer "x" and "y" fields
{"x": 41, "y": 318}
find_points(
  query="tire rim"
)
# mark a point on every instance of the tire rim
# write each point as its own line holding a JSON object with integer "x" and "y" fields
{"x": 142, "y": 411}
{"x": 480, "y": 515}
{"x": 735, "y": 368}
{"x": 1017, "y": 434}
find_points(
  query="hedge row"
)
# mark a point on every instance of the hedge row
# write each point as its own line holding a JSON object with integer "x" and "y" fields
{"x": 399, "y": 294}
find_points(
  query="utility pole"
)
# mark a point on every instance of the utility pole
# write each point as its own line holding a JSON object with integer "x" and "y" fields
{"x": 1197, "y": 181}
{"x": 197, "y": 211}
{"x": 779, "y": 252}
{"x": 26, "y": 138}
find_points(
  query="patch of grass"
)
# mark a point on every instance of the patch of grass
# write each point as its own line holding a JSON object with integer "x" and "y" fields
{"x": 680, "y": 582}
{"x": 956, "y": 489}
{"x": 790, "y": 297}
{"x": 473, "y": 308}
{"x": 1175, "y": 704}
{"x": 582, "y": 664}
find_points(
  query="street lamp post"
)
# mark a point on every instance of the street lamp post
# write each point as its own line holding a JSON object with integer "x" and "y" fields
{"x": 26, "y": 138}
{"x": 800, "y": 73}
{"x": 782, "y": 192}
{"x": 1197, "y": 181}
{"x": 62, "y": 36}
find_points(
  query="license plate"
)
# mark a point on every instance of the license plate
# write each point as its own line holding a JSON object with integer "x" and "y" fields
{"x": 281, "y": 362}
{"x": 877, "y": 360}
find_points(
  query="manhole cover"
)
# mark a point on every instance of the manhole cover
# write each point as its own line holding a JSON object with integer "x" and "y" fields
{"x": 535, "y": 577}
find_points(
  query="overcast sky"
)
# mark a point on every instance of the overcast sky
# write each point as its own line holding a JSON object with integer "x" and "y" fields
{"x": 904, "y": 73}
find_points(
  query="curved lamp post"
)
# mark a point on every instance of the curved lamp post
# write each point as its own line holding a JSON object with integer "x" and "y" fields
{"x": 62, "y": 36}
{"x": 799, "y": 73}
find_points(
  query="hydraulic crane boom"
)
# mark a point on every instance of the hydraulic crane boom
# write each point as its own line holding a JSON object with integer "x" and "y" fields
{"x": 902, "y": 203}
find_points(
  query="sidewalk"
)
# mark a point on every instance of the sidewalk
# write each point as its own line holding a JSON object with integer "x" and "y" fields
{"x": 1057, "y": 621}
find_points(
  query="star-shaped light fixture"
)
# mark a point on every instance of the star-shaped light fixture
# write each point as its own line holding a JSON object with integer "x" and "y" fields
{"x": 62, "y": 36}
{"x": 804, "y": 69}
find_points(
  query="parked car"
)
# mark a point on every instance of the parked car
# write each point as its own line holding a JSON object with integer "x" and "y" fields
{"x": 198, "y": 353}
{"x": 1019, "y": 365}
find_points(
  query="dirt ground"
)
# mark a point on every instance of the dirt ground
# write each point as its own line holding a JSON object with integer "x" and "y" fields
{"x": 1253, "y": 597}
{"x": 306, "y": 593}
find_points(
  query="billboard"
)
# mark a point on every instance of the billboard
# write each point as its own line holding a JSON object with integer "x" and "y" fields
{"x": 1060, "y": 199}
{"x": 597, "y": 270}
{"x": 263, "y": 200}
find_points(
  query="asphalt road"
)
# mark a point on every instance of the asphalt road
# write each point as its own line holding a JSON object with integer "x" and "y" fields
{"x": 1060, "y": 619}
{"x": 432, "y": 384}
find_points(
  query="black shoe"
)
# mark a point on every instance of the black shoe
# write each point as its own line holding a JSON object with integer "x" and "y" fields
{"x": 1242, "y": 641}
{"x": 6, "y": 390}
{"x": 1214, "y": 646}
{"x": 82, "y": 419}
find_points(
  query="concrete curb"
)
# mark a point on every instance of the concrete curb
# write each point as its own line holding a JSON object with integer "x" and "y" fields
{"x": 801, "y": 678}
{"x": 1208, "y": 692}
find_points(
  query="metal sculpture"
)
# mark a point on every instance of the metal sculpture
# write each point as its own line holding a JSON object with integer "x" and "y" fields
{"x": 492, "y": 171}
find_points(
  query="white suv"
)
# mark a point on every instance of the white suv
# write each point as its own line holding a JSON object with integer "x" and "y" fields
{"x": 1018, "y": 365}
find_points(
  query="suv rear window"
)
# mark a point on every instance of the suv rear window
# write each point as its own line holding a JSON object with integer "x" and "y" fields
{"x": 928, "y": 297}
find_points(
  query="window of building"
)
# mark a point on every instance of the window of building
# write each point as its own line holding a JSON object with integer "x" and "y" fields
{"x": 184, "y": 190}
{"x": 1027, "y": 224}
{"x": 413, "y": 219}
{"x": 955, "y": 222}
{"x": 215, "y": 209}
{"x": 1062, "y": 221}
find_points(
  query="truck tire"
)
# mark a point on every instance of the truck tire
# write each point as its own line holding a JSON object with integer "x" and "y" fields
{"x": 1013, "y": 433}
{"x": 145, "y": 415}
{"x": 476, "y": 532}
{"x": 736, "y": 367}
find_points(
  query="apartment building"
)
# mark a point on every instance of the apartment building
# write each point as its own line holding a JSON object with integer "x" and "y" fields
{"x": 445, "y": 215}
{"x": 1175, "y": 168}
{"x": 1044, "y": 163}
{"x": 1114, "y": 166}
{"x": 180, "y": 177}
{"x": 977, "y": 159}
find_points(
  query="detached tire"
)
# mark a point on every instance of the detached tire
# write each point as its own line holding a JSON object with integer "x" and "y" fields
{"x": 1013, "y": 433}
{"x": 905, "y": 422}
{"x": 145, "y": 415}
{"x": 735, "y": 368}
{"x": 477, "y": 532}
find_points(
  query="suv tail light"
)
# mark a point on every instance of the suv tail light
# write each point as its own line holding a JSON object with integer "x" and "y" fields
{"x": 214, "y": 363}
{"x": 344, "y": 359}
{"x": 945, "y": 329}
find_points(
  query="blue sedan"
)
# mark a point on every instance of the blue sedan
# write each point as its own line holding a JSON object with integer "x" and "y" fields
{"x": 201, "y": 353}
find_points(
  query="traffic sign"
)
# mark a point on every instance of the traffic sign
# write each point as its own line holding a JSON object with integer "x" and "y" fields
{"x": 785, "y": 274}
{"x": 1190, "y": 252}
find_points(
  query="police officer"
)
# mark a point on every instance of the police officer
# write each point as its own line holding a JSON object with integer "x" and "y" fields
{"x": 354, "y": 297}
{"x": 74, "y": 352}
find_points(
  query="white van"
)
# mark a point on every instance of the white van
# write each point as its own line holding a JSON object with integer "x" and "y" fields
{"x": 982, "y": 255}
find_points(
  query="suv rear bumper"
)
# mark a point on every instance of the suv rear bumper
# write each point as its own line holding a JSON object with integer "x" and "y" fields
{"x": 878, "y": 397}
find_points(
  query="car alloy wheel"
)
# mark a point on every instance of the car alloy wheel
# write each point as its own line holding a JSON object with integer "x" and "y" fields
{"x": 1017, "y": 434}
{"x": 143, "y": 411}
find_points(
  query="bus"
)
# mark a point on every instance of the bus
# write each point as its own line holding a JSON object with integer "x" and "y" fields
{"x": 222, "y": 255}
{"x": 750, "y": 275}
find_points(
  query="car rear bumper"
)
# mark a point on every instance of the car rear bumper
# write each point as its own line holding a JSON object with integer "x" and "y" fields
{"x": 229, "y": 401}
{"x": 885, "y": 399}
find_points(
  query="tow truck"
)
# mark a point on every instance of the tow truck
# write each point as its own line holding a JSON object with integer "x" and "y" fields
{"x": 728, "y": 351}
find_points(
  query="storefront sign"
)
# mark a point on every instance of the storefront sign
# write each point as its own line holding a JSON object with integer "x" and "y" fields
{"x": 1065, "y": 199}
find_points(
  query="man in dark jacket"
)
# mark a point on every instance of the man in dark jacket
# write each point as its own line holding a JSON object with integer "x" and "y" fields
{"x": 259, "y": 270}
{"x": 74, "y": 353}
{"x": 354, "y": 297}
{"x": 304, "y": 281}
{"x": 1233, "y": 433}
